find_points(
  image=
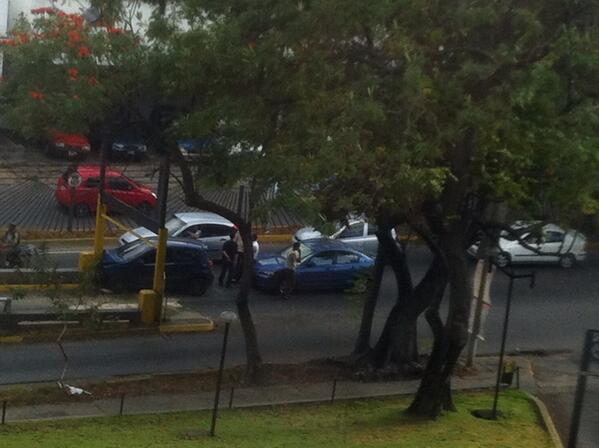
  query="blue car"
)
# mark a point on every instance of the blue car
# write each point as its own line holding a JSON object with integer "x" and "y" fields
{"x": 326, "y": 265}
{"x": 128, "y": 145}
{"x": 131, "y": 267}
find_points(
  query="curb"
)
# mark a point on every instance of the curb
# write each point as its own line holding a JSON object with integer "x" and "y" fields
{"x": 547, "y": 420}
{"x": 36, "y": 287}
{"x": 88, "y": 241}
{"x": 189, "y": 327}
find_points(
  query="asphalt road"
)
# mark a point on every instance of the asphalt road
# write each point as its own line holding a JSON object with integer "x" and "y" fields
{"x": 553, "y": 316}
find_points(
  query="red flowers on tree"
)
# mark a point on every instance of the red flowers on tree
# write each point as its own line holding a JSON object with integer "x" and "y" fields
{"x": 73, "y": 73}
{"x": 84, "y": 52}
{"x": 36, "y": 95}
{"x": 74, "y": 37}
{"x": 92, "y": 81}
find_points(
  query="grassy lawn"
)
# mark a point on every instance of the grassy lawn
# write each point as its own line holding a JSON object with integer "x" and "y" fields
{"x": 363, "y": 423}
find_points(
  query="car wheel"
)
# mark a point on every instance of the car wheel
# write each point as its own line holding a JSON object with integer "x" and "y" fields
{"x": 503, "y": 260}
{"x": 81, "y": 210}
{"x": 567, "y": 261}
{"x": 198, "y": 288}
{"x": 145, "y": 208}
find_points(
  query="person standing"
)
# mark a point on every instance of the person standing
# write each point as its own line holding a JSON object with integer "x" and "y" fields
{"x": 9, "y": 245}
{"x": 238, "y": 267}
{"x": 228, "y": 261}
{"x": 288, "y": 280}
{"x": 255, "y": 245}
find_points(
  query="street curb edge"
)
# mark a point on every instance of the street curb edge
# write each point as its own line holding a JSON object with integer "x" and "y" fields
{"x": 547, "y": 420}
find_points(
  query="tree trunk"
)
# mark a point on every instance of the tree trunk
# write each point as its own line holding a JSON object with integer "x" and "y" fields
{"x": 362, "y": 346}
{"x": 194, "y": 199}
{"x": 434, "y": 394}
{"x": 397, "y": 347}
{"x": 253, "y": 357}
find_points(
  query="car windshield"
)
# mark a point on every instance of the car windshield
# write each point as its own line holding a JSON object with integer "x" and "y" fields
{"x": 132, "y": 250}
{"x": 173, "y": 225}
{"x": 305, "y": 252}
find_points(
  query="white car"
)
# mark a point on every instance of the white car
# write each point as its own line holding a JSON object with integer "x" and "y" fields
{"x": 209, "y": 228}
{"x": 359, "y": 234}
{"x": 551, "y": 245}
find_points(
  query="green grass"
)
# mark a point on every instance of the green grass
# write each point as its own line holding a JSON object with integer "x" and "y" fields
{"x": 359, "y": 423}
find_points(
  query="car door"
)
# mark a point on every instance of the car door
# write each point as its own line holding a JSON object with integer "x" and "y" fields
{"x": 120, "y": 188}
{"x": 521, "y": 254}
{"x": 551, "y": 246}
{"x": 143, "y": 275}
{"x": 353, "y": 235}
{"x": 87, "y": 192}
{"x": 214, "y": 236}
{"x": 316, "y": 272}
{"x": 179, "y": 267}
{"x": 345, "y": 270}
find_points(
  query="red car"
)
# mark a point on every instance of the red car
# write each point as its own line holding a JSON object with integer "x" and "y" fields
{"x": 69, "y": 145}
{"x": 119, "y": 186}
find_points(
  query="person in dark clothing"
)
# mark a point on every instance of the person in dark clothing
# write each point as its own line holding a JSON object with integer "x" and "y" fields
{"x": 288, "y": 279}
{"x": 228, "y": 261}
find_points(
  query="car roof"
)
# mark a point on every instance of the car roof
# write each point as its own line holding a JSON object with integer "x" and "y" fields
{"x": 174, "y": 242}
{"x": 321, "y": 244}
{"x": 94, "y": 170}
{"x": 202, "y": 217}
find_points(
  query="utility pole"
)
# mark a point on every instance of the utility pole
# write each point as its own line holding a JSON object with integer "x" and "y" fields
{"x": 482, "y": 298}
{"x": 159, "y": 267}
{"x": 495, "y": 213}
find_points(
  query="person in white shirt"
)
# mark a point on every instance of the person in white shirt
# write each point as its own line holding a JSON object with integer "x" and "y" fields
{"x": 288, "y": 280}
{"x": 255, "y": 245}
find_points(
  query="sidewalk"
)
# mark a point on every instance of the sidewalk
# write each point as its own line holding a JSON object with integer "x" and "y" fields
{"x": 242, "y": 397}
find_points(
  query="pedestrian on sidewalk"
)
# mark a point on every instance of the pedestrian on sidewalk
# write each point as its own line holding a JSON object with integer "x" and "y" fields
{"x": 9, "y": 245}
{"x": 288, "y": 280}
{"x": 228, "y": 260}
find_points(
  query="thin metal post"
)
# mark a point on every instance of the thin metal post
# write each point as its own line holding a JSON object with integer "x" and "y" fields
{"x": 231, "y": 397}
{"x": 502, "y": 351}
{"x": 122, "y": 405}
{"x": 73, "y": 192}
{"x": 219, "y": 379}
{"x": 581, "y": 385}
{"x": 334, "y": 391}
{"x": 4, "y": 403}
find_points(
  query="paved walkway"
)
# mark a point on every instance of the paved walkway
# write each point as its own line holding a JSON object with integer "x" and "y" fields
{"x": 242, "y": 397}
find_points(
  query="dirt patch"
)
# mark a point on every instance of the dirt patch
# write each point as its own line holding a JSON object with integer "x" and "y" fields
{"x": 310, "y": 372}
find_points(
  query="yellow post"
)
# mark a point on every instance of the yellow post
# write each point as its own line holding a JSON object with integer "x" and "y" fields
{"x": 100, "y": 230}
{"x": 159, "y": 270}
{"x": 88, "y": 259}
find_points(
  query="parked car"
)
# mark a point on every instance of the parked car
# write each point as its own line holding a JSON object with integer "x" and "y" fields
{"x": 191, "y": 148}
{"x": 551, "y": 244}
{"x": 131, "y": 267}
{"x": 68, "y": 145}
{"x": 118, "y": 185}
{"x": 359, "y": 234}
{"x": 128, "y": 145}
{"x": 209, "y": 228}
{"x": 326, "y": 265}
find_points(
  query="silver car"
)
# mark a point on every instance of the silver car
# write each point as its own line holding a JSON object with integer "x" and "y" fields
{"x": 209, "y": 228}
{"x": 359, "y": 234}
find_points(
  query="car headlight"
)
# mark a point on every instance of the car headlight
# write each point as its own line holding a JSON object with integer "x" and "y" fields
{"x": 154, "y": 195}
{"x": 59, "y": 145}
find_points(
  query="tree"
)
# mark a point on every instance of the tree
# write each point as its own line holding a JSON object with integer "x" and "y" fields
{"x": 68, "y": 75}
{"x": 429, "y": 111}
